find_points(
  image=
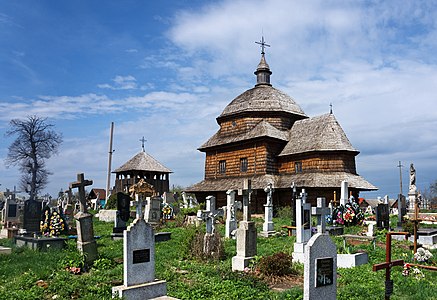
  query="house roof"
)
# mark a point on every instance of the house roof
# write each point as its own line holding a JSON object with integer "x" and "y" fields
{"x": 322, "y": 133}
{"x": 100, "y": 193}
{"x": 316, "y": 180}
{"x": 262, "y": 129}
{"x": 143, "y": 162}
{"x": 262, "y": 98}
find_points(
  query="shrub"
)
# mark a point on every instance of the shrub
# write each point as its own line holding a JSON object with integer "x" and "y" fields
{"x": 278, "y": 264}
{"x": 285, "y": 212}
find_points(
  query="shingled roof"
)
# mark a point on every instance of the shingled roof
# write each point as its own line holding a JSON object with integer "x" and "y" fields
{"x": 313, "y": 180}
{"x": 262, "y": 98}
{"x": 262, "y": 129}
{"x": 143, "y": 162}
{"x": 322, "y": 133}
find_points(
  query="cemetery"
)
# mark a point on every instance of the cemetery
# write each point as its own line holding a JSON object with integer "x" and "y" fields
{"x": 159, "y": 255}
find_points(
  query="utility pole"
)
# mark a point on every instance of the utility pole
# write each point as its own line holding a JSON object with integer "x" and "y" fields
{"x": 400, "y": 175}
{"x": 108, "y": 180}
{"x": 400, "y": 197}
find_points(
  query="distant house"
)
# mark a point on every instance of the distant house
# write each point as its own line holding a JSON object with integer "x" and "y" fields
{"x": 142, "y": 166}
{"x": 265, "y": 136}
{"x": 97, "y": 196}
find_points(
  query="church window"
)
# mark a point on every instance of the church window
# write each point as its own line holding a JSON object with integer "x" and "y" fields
{"x": 298, "y": 167}
{"x": 243, "y": 164}
{"x": 222, "y": 167}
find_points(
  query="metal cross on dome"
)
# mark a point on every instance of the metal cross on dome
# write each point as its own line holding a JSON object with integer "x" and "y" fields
{"x": 263, "y": 45}
{"x": 143, "y": 140}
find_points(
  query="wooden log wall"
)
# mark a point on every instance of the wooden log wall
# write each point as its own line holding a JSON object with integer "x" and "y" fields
{"x": 322, "y": 162}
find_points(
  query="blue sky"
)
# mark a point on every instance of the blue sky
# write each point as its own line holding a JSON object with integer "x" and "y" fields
{"x": 166, "y": 69}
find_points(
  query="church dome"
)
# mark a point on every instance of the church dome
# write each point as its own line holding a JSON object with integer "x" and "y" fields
{"x": 262, "y": 98}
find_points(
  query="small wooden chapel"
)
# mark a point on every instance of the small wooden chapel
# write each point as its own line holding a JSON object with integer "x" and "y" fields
{"x": 265, "y": 136}
{"x": 142, "y": 166}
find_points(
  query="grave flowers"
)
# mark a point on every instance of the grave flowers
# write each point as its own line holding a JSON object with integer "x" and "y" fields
{"x": 348, "y": 214}
{"x": 422, "y": 255}
{"x": 53, "y": 224}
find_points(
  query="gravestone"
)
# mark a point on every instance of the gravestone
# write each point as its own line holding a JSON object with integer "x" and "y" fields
{"x": 320, "y": 211}
{"x": 303, "y": 227}
{"x": 122, "y": 214}
{"x": 320, "y": 268}
{"x": 152, "y": 211}
{"x": 208, "y": 215}
{"x": 268, "y": 226}
{"x": 32, "y": 216}
{"x": 382, "y": 216}
{"x": 246, "y": 233}
{"x": 231, "y": 220}
{"x": 140, "y": 191}
{"x": 84, "y": 222}
{"x": 139, "y": 263}
{"x": 344, "y": 193}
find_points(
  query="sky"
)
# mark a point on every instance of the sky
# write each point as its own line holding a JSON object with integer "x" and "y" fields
{"x": 166, "y": 69}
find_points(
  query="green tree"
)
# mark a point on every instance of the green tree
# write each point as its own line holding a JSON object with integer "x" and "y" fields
{"x": 35, "y": 142}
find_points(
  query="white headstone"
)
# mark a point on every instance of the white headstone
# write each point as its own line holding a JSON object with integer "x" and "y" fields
{"x": 152, "y": 211}
{"x": 268, "y": 226}
{"x": 303, "y": 227}
{"x": 320, "y": 268}
{"x": 231, "y": 220}
{"x": 139, "y": 264}
{"x": 344, "y": 193}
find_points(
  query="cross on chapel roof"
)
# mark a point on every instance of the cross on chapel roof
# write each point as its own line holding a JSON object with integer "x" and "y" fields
{"x": 263, "y": 45}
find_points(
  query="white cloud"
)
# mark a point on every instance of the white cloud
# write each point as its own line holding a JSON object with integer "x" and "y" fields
{"x": 120, "y": 83}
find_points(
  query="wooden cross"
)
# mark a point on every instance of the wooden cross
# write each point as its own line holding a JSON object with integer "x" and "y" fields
{"x": 263, "y": 45}
{"x": 80, "y": 184}
{"x": 143, "y": 140}
{"x": 388, "y": 264}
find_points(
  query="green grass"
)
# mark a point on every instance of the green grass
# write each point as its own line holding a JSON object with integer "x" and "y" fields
{"x": 28, "y": 274}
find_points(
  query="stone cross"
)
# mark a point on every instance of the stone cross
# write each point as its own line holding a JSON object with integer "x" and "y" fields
{"x": 269, "y": 191}
{"x": 247, "y": 193}
{"x": 209, "y": 214}
{"x": 231, "y": 222}
{"x": 80, "y": 184}
{"x": 268, "y": 226}
{"x": 320, "y": 211}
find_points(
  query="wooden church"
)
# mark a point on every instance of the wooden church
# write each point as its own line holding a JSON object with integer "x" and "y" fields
{"x": 265, "y": 136}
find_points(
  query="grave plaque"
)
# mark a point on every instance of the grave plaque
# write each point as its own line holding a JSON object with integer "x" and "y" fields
{"x": 32, "y": 215}
{"x": 141, "y": 256}
{"x": 324, "y": 271}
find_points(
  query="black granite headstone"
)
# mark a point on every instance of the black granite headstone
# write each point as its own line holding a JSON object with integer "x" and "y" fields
{"x": 12, "y": 211}
{"x": 382, "y": 216}
{"x": 123, "y": 206}
{"x": 32, "y": 215}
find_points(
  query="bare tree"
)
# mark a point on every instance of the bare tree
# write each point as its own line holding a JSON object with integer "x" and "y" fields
{"x": 35, "y": 143}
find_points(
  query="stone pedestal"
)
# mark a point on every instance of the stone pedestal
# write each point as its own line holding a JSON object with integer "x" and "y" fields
{"x": 412, "y": 196}
{"x": 246, "y": 245}
{"x": 268, "y": 226}
{"x": 85, "y": 236}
